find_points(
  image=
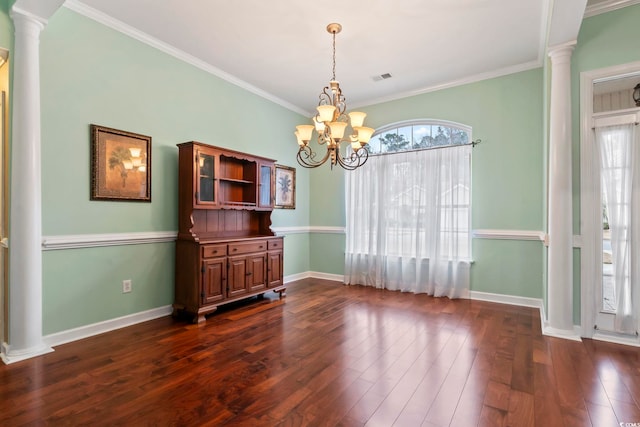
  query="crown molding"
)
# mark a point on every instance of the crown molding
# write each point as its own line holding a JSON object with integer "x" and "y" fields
{"x": 145, "y": 38}
{"x": 607, "y": 6}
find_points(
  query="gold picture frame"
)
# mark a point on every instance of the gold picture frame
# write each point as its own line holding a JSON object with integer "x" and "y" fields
{"x": 285, "y": 187}
{"x": 120, "y": 165}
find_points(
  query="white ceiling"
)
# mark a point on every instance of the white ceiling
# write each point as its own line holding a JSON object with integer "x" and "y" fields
{"x": 281, "y": 47}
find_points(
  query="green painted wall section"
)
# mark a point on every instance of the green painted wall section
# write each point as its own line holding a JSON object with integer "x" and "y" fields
{"x": 508, "y": 175}
{"x": 507, "y": 267}
{"x": 327, "y": 253}
{"x": 84, "y": 286}
{"x": 605, "y": 40}
{"x": 506, "y": 113}
{"x": 93, "y": 74}
{"x": 296, "y": 253}
{"x": 6, "y": 26}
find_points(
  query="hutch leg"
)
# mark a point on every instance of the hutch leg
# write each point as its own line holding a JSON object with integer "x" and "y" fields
{"x": 176, "y": 310}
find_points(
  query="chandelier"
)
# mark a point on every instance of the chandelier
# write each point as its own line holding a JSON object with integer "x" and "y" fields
{"x": 331, "y": 123}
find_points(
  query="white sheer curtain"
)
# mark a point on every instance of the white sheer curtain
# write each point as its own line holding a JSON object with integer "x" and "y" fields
{"x": 619, "y": 147}
{"x": 408, "y": 220}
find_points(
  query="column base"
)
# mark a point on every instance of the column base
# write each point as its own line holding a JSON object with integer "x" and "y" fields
{"x": 8, "y": 356}
{"x": 567, "y": 334}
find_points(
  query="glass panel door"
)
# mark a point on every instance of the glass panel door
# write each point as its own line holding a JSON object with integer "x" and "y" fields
{"x": 617, "y": 296}
{"x": 265, "y": 195}
{"x": 206, "y": 192}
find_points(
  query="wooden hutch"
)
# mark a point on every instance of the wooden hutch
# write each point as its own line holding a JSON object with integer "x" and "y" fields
{"x": 225, "y": 250}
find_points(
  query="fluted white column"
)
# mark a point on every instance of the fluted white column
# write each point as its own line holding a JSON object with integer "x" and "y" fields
{"x": 560, "y": 261}
{"x": 25, "y": 227}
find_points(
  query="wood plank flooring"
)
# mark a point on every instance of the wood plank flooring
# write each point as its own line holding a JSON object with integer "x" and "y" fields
{"x": 327, "y": 355}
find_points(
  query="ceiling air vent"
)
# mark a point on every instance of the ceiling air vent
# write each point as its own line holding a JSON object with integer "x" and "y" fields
{"x": 384, "y": 76}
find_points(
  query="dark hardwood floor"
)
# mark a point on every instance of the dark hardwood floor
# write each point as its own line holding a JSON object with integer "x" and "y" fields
{"x": 326, "y": 355}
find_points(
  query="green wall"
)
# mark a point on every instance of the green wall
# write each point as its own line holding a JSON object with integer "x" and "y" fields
{"x": 93, "y": 74}
{"x": 508, "y": 177}
{"x": 6, "y": 26}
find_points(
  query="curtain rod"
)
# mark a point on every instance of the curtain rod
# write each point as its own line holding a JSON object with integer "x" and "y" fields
{"x": 472, "y": 144}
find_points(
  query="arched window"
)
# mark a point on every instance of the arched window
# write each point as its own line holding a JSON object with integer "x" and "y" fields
{"x": 408, "y": 210}
{"x": 418, "y": 135}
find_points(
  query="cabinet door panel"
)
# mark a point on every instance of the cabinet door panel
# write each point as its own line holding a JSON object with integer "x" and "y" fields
{"x": 256, "y": 272}
{"x": 274, "y": 268}
{"x": 213, "y": 280}
{"x": 237, "y": 276}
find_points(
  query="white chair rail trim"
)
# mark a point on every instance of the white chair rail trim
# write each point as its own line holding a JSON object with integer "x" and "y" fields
{"x": 283, "y": 231}
{"x": 112, "y": 239}
{"x": 79, "y": 241}
{"x": 509, "y": 234}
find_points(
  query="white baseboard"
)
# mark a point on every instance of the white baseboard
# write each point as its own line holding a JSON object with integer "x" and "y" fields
{"x": 327, "y": 276}
{"x": 294, "y": 277}
{"x": 574, "y": 335}
{"x": 616, "y": 338}
{"x": 505, "y": 299}
{"x": 86, "y": 331}
{"x": 314, "y": 275}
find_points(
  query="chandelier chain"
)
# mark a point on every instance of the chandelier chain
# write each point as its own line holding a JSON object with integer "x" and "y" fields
{"x": 334, "y": 56}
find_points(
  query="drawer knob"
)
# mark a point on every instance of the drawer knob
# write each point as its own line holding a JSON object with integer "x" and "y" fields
{"x": 235, "y": 249}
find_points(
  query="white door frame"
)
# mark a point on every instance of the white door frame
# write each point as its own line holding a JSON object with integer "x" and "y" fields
{"x": 590, "y": 215}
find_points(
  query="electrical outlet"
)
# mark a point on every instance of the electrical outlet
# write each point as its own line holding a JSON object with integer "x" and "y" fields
{"x": 126, "y": 286}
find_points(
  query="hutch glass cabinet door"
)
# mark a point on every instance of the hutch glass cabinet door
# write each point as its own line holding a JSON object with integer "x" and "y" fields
{"x": 206, "y": 192}
{"x": 265, "y": 195}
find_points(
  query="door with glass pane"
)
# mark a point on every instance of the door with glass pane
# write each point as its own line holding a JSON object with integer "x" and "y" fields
{"x": 206, "y": 184}
{"x": 618, "y": 287}
{"x": 265, "y": 187}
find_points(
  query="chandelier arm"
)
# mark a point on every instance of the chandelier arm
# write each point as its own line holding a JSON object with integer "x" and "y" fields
{"x": 306, "y": 157}
{"x": 354, "y": 160}
{"x": 325, "y": 97}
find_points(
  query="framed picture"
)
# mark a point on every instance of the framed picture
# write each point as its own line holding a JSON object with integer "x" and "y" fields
{"x": 120, "y": 165}
{"x": 285, "y": 187}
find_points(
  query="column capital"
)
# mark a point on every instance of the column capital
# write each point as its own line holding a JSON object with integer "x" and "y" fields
{"x": 24, "y": 19}
{"x": 560, "y": 50}
{"x": 36, "y": 10}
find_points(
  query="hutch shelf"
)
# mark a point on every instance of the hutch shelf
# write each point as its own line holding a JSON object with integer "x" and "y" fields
{"x": 225, "y": 250}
